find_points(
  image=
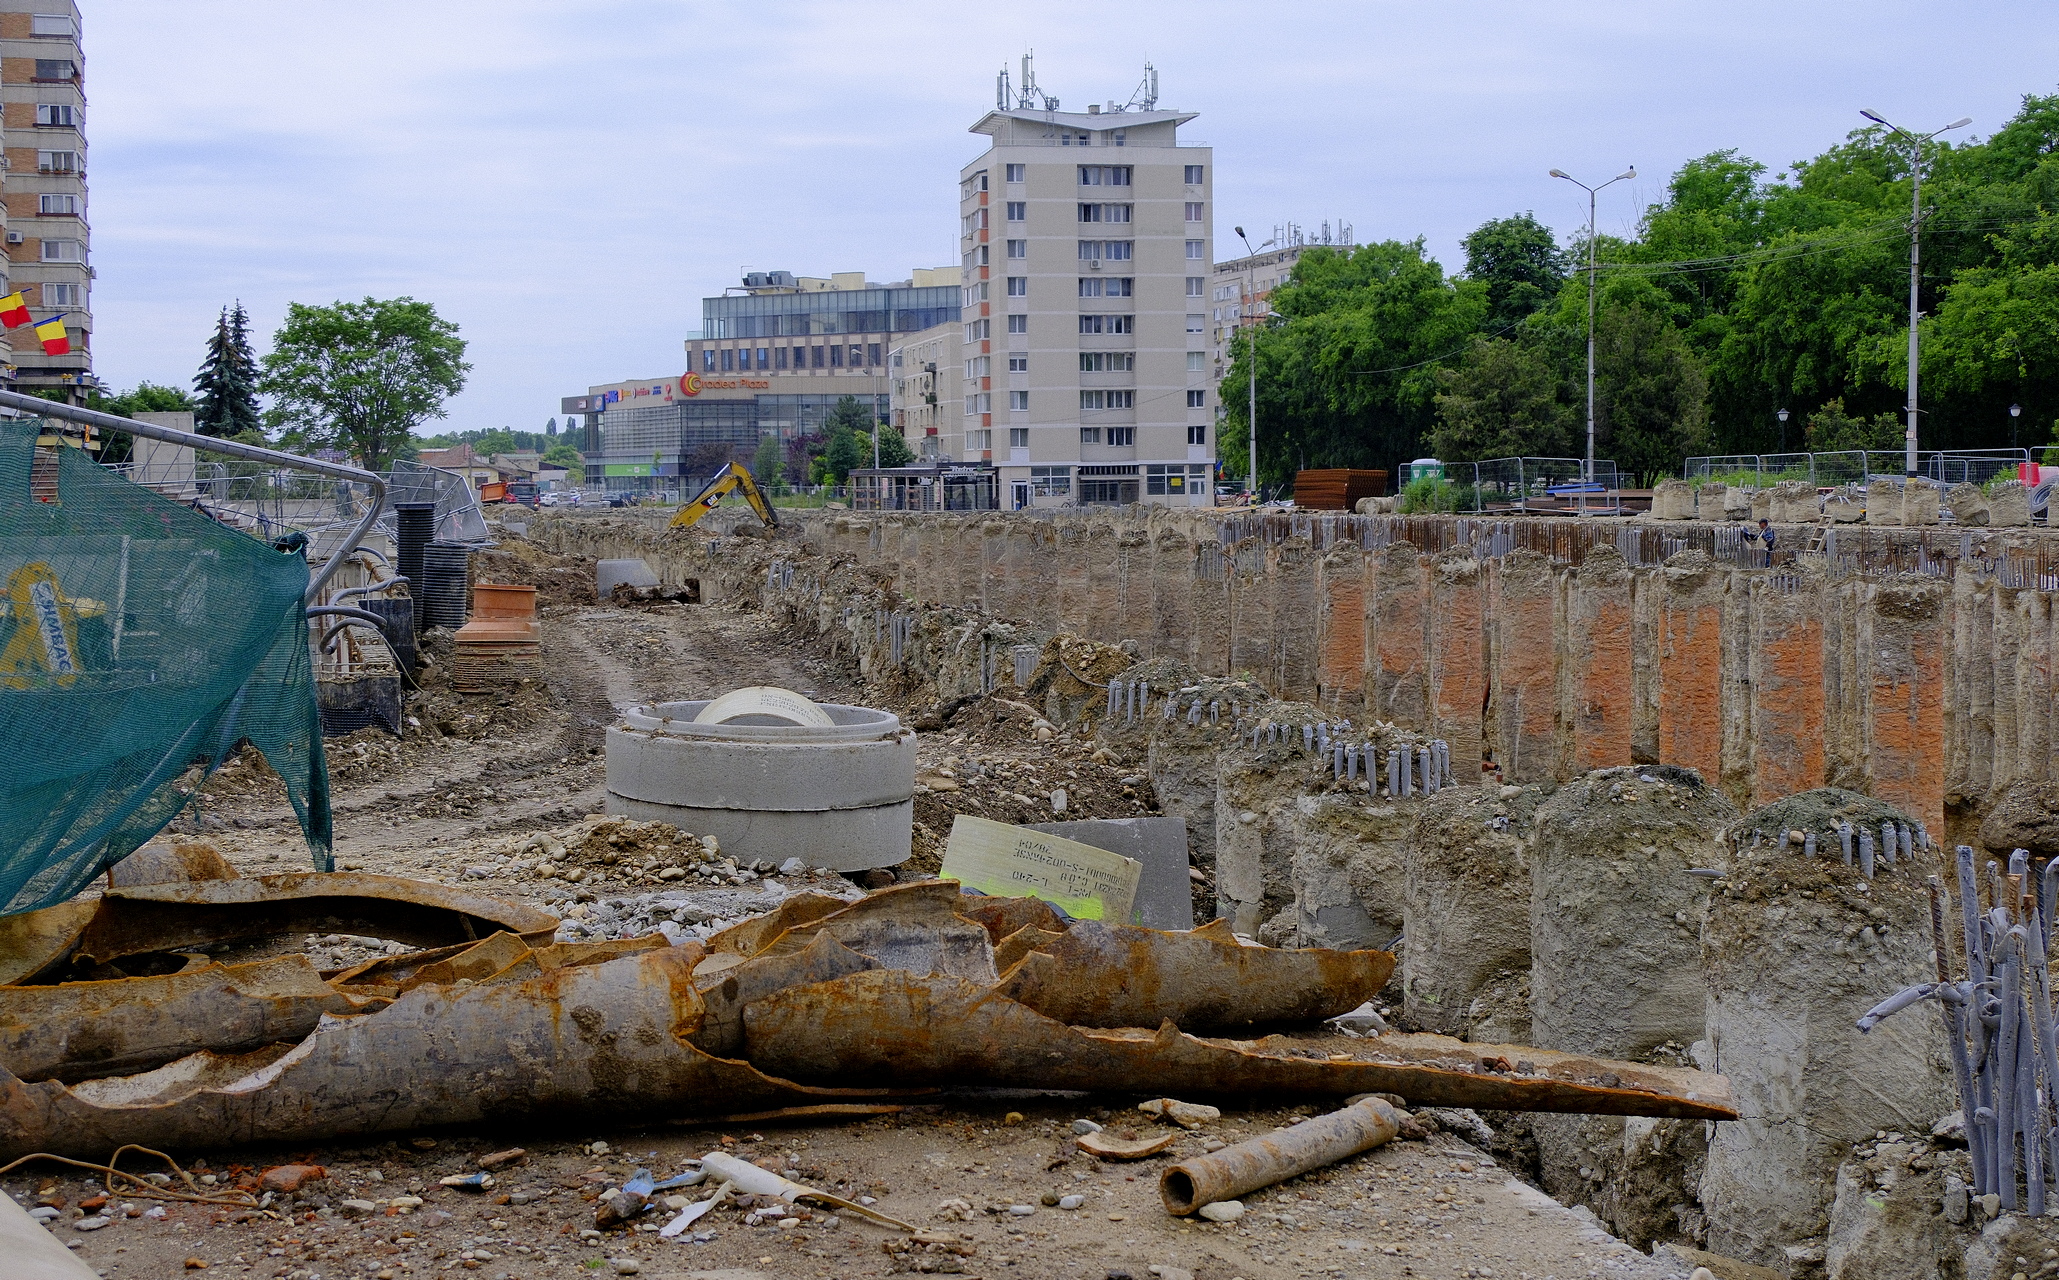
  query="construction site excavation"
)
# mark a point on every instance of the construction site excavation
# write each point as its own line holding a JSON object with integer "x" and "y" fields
{"x": 1093, "y": 894}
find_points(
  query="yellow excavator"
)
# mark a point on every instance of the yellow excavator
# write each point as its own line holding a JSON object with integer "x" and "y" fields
{"x": 731, "y": 478}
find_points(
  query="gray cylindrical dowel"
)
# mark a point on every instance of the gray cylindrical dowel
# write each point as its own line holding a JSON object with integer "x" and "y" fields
{"x": 1809, "y": 845}
{"x": 1866, "y": 853}
{"x": 1261, "y": 1162}
{"x": 1429, "y": 780}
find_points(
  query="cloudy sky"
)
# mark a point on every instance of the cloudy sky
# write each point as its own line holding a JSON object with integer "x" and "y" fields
{"x": 568, "y": 178}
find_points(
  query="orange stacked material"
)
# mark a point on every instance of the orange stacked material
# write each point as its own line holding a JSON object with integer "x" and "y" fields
{"x": 502, "y": 643}
{"x": 1337, "y": 488}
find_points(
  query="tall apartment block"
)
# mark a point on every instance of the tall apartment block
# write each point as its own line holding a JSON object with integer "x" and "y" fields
{"x": 42, "y": 110}
{"x": 1085, "y": 373}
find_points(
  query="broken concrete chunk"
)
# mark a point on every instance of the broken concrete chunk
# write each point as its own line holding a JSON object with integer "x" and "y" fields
{"x": 1103, "y": 1146}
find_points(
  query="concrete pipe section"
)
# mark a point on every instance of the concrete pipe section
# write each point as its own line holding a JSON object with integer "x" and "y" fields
{"x": 771, "y": 775}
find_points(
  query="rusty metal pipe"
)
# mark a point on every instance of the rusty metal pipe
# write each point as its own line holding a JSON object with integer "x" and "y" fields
{"x": 1261, "y": 1162}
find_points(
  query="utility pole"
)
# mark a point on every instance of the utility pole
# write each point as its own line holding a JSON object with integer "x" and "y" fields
{"x": 1251, "y": 417}
{"x": 1587, "y": 472}
{"x": 1915, "y": 223}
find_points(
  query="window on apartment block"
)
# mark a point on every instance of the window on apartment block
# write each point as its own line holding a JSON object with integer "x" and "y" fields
{"x": 1018, "y": 437}
{"x": 51, "y": 24}
{"x": 871, "y": 354}
{"x": 1018, "y": 324}
{"x": 64, "y": 251}
{"x": 1195, "y": 285}
{"x": 1197, "y": 434}
{"x": 1050, "y": 482}
{"x": 1018, "y": 249}
{"x": 1105, "y": 212}
{"x": 979, "y": 366}
{"x": 1194, "y": 211}
{"x": 1089, "y": 435}
{"x": 815, "y": 357}
{"x": 779, "y": 357}
{"x": 1018, "y": 364}
{"x": 708, "y": 360}
{"x": 57, "y": 162}
{"x": 62, "y": 295}
{"x": 728, "y": 360}
{"x": 1193, "y": 175}
{"x": 57, "y": 204}
{"x": 1196, "y": 250}
{"x": 1104, "y": 175}
{"x": 1122, "y": 436}
{"x": 1018, "y": 286}
{"x": 1197, "y": 399}
{"x": 979, "y": 441}
{"x": 55, "y": 115}
{"x": 1018, "y": 210}
{"x": 1197, "y": 362}
{"x": 1108, "y": 361}
{"x": 1015, "y": 173}
{"x": 56, "y": 69}
{"x": 1197, "y": 324}
{"x": 1019, "y": 401}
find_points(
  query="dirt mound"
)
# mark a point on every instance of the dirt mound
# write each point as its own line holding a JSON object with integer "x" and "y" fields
{"x": 1817, "y": 812}
{"x": 559, "y": 580}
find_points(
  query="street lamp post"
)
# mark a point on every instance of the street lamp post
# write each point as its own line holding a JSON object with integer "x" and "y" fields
{"x": 1782, "y": 415}
{"x": 2015, "y": 412}
{"x": 1915, "y": 224}
{"x": 1587, "y": 479}
{"x": 1251, "y": 416}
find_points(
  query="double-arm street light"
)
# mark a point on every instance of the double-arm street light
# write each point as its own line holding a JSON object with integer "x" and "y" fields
{"x": 1915, "y": 222}
{"x": 1587, "y": 480}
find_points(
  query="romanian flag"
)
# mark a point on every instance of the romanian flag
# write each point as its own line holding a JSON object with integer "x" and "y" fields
{"x": 14, "y": 310}
{"x": 51, "y": 331}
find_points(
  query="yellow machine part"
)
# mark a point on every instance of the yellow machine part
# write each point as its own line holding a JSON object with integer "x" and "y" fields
{"x": 731, "y": 478}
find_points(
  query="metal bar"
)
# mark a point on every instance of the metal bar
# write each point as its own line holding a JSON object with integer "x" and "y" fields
{"x": 41, "y": 408}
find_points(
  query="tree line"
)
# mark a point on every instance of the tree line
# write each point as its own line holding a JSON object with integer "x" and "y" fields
{"x": 1738, "y": 296}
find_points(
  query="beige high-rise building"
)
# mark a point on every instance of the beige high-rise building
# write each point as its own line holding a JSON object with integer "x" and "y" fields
{"x": 42, "y": 109}
{"x": 1084, "y": 358}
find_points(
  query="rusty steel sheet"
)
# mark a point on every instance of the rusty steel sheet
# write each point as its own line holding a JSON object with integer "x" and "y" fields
{"x": 76, "y": 1030}
{"x": 1004, "y": 916}
{"x": 601, "y": 1040}
{"x": 176, "y": 916}
{"x": 1198, "y": 980}
{"x": 915, "y": 927}
{"x": 749, "y": 937}
{"x": 889, "y": 1026}
{"x": 34, "y": 943}
{"x": 726, "y": 988}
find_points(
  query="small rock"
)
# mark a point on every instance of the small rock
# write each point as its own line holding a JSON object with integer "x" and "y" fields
{"x": 598, "y": 1149}
{"x": 1213, "y": 1145}
{"x": 1223, "y": 1211}
{"x": 1956, "y": 1201}
{"x": 93, "y": 1223}
{"x": 1071, "y": 1202}
{"x": 1022, "y": 1210}
{"x": 1991, "y": 1204}
{"x": 478, "y": 873}
{"x": 288, "y": 1177}
{"x": 793, "y": 867}
{"x": 625, "y": 1266}
{"x": 405, "y": 1203}
{"x": 422, "y": 1144}
{"x": 1085, "y": 1126}
{"x": 196, "y": 1264}
{"x": 497, "y": 1159}
{"x": 1058, "y": 800}
{"x": 44, "y": 1213}
{"x": 1012, "y": 1118}
{"x": 357, "y": 1208}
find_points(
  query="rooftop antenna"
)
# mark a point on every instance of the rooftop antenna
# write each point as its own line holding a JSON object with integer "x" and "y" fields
{"x": 1001, "y": 94}
{"x": 1030, "y": 97}
{"x": 1146, "y": 96}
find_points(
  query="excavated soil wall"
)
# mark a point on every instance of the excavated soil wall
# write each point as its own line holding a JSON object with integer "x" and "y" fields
{"x": 1836, "y": 670}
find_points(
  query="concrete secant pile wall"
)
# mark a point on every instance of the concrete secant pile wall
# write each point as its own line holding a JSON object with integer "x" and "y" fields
{"x": 1542, "y": 664}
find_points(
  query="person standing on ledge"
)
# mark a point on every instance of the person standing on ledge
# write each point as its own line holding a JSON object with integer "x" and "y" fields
{"x": 1763, "y": 534}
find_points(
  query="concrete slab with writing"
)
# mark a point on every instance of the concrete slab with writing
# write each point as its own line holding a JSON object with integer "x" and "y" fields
{"x": 1165, "y": 895}
{"x": 1016, "y": 862}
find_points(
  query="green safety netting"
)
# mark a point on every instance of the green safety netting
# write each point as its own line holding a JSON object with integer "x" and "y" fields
{"x": 140, "y": 643}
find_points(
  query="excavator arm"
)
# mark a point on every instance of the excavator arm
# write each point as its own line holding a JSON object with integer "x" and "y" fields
{"x": 732, "y": 477}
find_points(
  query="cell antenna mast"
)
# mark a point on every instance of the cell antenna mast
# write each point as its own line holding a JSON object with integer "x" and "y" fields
{"x": 1001, "y": 94}
{"x": 1029, "y": 97}
{"x": 1146, "y": 96}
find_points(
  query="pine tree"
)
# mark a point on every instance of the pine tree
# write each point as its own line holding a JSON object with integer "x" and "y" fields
{"x": 227, "y": 381}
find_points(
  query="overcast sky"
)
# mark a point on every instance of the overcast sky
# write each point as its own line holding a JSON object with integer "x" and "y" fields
{"x": 567, "y": 179}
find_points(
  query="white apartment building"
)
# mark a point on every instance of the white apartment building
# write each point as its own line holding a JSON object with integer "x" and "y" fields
{"x": 1084, "y": 358}
{"x": 43, "y": 102}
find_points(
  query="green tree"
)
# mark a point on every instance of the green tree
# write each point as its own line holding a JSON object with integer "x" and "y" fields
{"x": 1831, "y": 430}
{"x": 563, "y": 455}
{"x": 768, "y": 464}
{"x": 149, "y": 397}
{"x": 1651, "y": 393}
{"x": 848, "y": 415}
{"x": 360, "y": 376}
{"x": 499, "y": 440}
{"x": 893, "y": 448}
{"x": 844, "y": 453}
{"x": 1512, "y": 397}
{"x": 1520, "y": 262}
{"x": 227, "y": 381}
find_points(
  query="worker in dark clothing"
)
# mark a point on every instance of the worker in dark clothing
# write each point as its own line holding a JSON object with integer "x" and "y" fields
{"x": 1764, "y": 535}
